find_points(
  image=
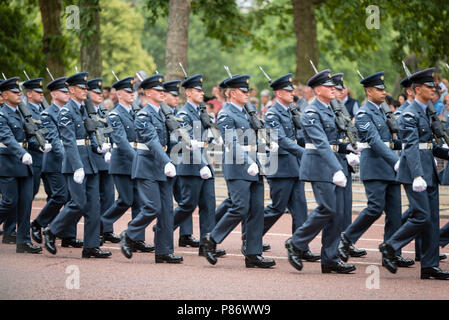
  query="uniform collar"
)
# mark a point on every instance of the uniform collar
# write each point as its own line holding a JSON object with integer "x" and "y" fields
{"x": 422, "y": 105}
{"x": 322, "y": 103}
{"x": 372, "y": 103}
{"x": 236, "y": 106}
{"x": 76, "y": 103}
{"x": 283, "y": 107}
{"x": 11, "y": 108}
{"x": 128, "y": 109}
{"x": 193, "y": 106}
{"x": 35, "y": 106}
{"x": 156, "y": 109}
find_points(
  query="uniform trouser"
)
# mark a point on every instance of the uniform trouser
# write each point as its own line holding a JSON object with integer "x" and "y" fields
{"x": 15, "y": 206}
{"x": 186, "y": 227}
{"x": 382, "y": 196}
{"x": 247, "y": 199}
{"x": 222, "y": 208}
{"x": 347, "y": 211}
{"x": 36, "y": 179}
{"x": 423, "y": 219}
{"x": 157, "y": 202}
{"x": 196, "y": 191}
{"x": 57, "y": 195}
{"x": 326, "y": 217}
{"x": 106, "y": 191}
{"x": 444, "y": 235}
{"x": 83, "y": 203}
{"x": 404, "y": 218}
{"x": 285, "y": 193}
{"x": 128, "y": 196}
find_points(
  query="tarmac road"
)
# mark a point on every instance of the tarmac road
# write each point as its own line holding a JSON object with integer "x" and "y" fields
{"x": 48, "y": 277}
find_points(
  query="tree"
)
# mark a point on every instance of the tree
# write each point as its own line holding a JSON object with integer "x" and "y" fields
{"x": 54, "y": 43}
{"x": 90, "y": 37}
{"x": 177, "y": 38}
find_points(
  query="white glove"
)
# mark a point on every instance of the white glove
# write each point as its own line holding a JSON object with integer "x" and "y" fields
{"x": 357, "y": 150}
{"x": 47, "y": 148}
{"x": 396, "y": 165}
{"x": 27, "y": 159}
{"x": 219, "y": 142}
{"x": 170, "y": 170}
{"x": 107, "y": 157}
{"x": 274, "y": 147}
{"x": 353, "y": 159}
{"x": 78, "y": 176}
{"x": 195, "y": 145}
{"x": 419, "y": 184}
{"x": 339, "y": 179}
{"x": 104, "y": 148}
{"x": 253, "y": 169}
{"x": 205, "y": 173}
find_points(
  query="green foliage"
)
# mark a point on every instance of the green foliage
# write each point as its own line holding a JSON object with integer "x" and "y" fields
{"x": 20, "y": 39}
{"x": 122, "y": 51}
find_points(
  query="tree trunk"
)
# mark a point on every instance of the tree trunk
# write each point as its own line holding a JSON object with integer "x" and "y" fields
{"x": 177, "y": 39}
{"x": 53, "y": 41}
{"x": 306, "y": 39}
{"x": 90, "y": 37}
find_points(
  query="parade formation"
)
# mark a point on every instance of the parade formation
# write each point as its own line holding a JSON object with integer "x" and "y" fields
{"x": 156, "y": 152}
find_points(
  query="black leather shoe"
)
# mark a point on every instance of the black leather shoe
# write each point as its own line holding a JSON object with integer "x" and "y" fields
{"x": 294, "y": 255}
{"x": 9, "y": 239}
{"x": 402, "y": 262}
{"x": 434, "y": 272}
{"x": 36, "y": 232}
{"x": 344, "y": 247}
{"x": 309, "y": 256}
{"x": 95, "y": 253}
{"x": 126, "y": 245}
{"x": 71, "y": 242}
{"x": 1, "y": 232}
{"x": 210, "y": 247}
{"x": 111, "y": 237}
{"x": 27, "y": 247}
{"x": 168, "y": 258}
{"x": 188, "y": 241}
{"x": 388, "y": 257}
{"x": 257, "y": 261}
{"x": 443, "y": 256}
{"x": 142, "y": 246}
{"x": 337, "y": 267}
{"x": 266, "y": 247}
{"x": 356, "y": 253}
{"x": 49, "y": 240}
{"x": 218, "y": 252}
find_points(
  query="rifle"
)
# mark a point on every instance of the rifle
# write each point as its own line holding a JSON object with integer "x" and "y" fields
{"x": 92, "y": 122}
{"x": 344, "y": 123}
{"x": 440, "y": 134}
{"x": 31, "y": 127}
{"x": 207, "y": 122}
{"x": 257, "y": 124}
{"x": 391, "y": 119}
{"x": 172, "y": 123}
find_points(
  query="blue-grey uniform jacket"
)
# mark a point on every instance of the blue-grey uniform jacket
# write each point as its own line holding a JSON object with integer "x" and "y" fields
{"x": 150, "y": 161}
{"x": 378, "y": 160}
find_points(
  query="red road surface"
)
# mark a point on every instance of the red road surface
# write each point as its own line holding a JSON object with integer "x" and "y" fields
{"x": 44, "y": 276}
